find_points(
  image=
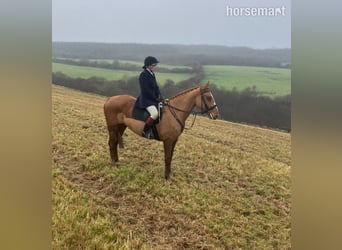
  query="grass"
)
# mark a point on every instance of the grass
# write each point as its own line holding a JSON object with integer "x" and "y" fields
{"x": 87, "y": 72}
{"x": 268, "y": 81}
{"x": 230, "y": 187}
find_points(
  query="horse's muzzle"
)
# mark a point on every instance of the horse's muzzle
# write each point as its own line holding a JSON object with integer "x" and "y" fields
{"x": 213, "y": 116}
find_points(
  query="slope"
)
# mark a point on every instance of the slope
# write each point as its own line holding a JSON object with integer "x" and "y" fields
{"x": 230, "y": 186}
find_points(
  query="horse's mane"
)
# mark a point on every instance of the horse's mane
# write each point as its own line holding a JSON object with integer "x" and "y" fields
{"x": 184, "y": 92}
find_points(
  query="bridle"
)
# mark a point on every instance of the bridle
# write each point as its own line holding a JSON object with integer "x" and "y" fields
{"x": 203, "y": 111}
{"x": 207, "y": 108}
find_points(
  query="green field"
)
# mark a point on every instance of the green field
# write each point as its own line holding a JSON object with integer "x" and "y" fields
{"x": 87, "y": 72}
{"x": 268, "y": 81}
{"x": 126, "y": 62}
{"x": 230, "y": 187}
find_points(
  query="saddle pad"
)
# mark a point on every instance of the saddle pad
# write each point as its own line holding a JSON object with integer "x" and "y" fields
{"x": 142, "y": 115}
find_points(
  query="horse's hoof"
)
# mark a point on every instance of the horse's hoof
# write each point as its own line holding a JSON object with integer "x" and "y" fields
{"x": 115, "y": 164}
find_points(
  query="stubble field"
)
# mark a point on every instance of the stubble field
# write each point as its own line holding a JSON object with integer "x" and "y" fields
{"x": 230, "y": 187}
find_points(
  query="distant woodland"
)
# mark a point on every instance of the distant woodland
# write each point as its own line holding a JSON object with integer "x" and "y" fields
{"x": 186, "y": 55}
{"x": 243, "y": 106}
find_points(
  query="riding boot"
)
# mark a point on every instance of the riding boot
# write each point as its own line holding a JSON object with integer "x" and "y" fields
{"x": 146, "y": 131}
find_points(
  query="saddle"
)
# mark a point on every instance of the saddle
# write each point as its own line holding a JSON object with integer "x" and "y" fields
{"x": 143, "y": 114}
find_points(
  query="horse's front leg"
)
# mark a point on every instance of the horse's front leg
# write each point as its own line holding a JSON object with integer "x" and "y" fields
{"x": 169, "y": 146}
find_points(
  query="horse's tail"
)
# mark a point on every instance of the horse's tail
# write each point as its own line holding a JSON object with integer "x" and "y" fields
{"x": 120, "y": 118}
{"x": 120, "y": 140}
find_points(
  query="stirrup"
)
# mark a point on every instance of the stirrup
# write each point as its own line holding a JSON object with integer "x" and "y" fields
{"x": 146, "y": 134}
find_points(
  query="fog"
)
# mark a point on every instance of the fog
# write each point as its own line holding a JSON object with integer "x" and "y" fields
{"x": 174, "y": 22}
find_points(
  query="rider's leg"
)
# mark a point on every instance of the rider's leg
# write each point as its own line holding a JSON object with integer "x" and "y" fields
{"x": 150, "y": 120}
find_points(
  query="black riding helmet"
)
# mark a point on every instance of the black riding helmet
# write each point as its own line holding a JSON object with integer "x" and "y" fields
{"x": 149, "y": 61}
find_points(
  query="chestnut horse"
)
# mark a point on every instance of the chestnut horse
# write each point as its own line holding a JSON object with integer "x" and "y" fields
{"x": 118, "y": 113}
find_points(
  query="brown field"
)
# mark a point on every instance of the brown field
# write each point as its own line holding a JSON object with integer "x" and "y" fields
{"x": 230, "y": 187}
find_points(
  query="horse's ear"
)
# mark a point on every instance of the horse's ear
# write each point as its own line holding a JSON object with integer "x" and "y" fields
{"x": 206, "y": 85}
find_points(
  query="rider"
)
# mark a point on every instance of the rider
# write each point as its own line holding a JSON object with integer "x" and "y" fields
{"x": 149, "y": 93}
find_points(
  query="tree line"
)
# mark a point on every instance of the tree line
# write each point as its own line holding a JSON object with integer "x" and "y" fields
{"x": 175, "y": 54}
{"x": 243, "y": 106}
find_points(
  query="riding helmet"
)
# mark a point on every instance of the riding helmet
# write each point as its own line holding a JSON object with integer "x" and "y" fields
{"x": 149, "y": 61}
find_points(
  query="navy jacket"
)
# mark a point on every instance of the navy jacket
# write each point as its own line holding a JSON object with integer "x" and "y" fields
{"x": 149, "y": 90}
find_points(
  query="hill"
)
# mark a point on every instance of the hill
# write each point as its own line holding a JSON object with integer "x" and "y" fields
{"x": 271, "y": 82}
{"x": 268, "y": 81}
{"x": 230, "y": 186}
{"x": 111, "y": 74}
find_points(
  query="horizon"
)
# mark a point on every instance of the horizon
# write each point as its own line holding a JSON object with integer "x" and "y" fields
{"x": 176, "y": 44}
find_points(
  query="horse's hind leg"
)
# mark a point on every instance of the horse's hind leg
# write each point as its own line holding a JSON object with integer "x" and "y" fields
{"x": 113, "y": 142}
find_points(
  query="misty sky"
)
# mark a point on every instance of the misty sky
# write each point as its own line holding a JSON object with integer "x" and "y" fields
{"x": 174, "y": 21}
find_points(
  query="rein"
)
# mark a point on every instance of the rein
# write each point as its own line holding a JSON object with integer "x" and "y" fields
{"x": 173, "y": 108}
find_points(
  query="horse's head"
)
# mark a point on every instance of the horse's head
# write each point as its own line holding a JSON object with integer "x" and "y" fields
{"x": 206, "y": 102}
